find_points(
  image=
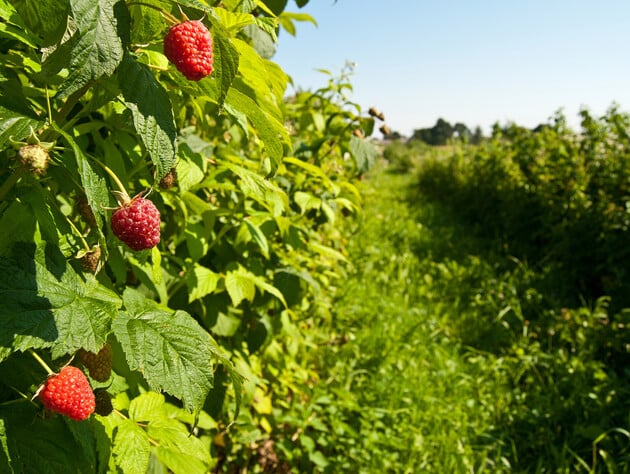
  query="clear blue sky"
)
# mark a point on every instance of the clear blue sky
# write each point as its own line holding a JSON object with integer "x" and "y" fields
{"x": 473, "y": 61}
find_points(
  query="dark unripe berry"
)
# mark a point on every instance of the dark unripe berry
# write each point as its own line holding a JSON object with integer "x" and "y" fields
{"x": 90, "y": 260}
{"x": 103, "y": 402}
{"x": 169, "y": 180}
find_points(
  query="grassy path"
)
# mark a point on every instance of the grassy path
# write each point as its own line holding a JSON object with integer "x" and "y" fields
{"x": 418, "y": 400}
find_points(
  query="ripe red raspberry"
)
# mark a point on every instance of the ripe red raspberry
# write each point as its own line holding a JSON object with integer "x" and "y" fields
{"x": 99, "y": 365}
{"x": 69, "y": 393}
{"x": 137, "y": 224}
{"x": 188, "y": 46}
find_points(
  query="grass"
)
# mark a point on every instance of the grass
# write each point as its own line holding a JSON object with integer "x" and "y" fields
{"x": 423, "y": 398}
{"x": 440, "y": 370}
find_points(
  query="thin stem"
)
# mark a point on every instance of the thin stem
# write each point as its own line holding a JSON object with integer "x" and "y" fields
{"x": 50, "y": 117}
{"x": 71, "y": 102}
{"x": 41, "y": 361}
{"x": 121, "y": 187}
{"x": 167, "y": 16}
{"x": 86, "y": 246}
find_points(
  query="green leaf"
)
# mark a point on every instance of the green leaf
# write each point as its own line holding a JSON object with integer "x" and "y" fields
{"x": 201, "y": 281}
{"x": 171, "y": 350}
{"x": 288, "y": 19}
{"x": 94, "y": 185}
{"x": 46, "y": 304}
{"x": 15, "y": 125}
{"x": 5, "y": 458}
{"x": 364, "y": 153}
{"x": 306, "y": 201}
{"x": 258, "y": 237}
{"x": 97, "y": 47}
{"x": 18, "y": 224}
{"x": 46, "y": 18}
{"x": 269, "y": 128}
{"x": 14, "y": 26}
{"x": 233, "y": 21}
{"x": 147, "y": 22}
{"x": 266, "y": 192}
{"x": 131, "y": 448}
{"x": 226, "y": 63}
{"x": 178, "y": 450}
{"x": 152, "y": 113}
{"x": 43, "y": 446}
{"x": 148, "y": 406}
{"x": 240, "y": 286}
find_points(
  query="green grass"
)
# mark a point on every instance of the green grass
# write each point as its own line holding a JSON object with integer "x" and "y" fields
{"x": 440, "y": 370}
{"x": 422, "y": 397}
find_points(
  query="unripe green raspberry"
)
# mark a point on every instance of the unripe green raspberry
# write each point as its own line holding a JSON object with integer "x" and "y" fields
{"x": 34, "y": 158}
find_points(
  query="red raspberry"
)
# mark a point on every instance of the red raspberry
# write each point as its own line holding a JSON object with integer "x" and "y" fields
{"x": 69, "y": 393}
{"x": 188, "y": 46}
{"x": 99, "y": 365}
{"x": 137, "y": 224}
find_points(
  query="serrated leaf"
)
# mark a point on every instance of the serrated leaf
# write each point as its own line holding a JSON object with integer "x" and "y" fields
{"x": 266, "y": 192}
{"x": 45, "y": 18}
{"x": 46, "y": 304}
{"x": 5, "y": 458}
{"x": 147, "y": 22}
{"x": 233, "y": 21}
{"x": 171, "y": 350}
{"x": 179, "y": 451}
{"x": 147, "y": 407}
{"x": 43, "y": 446}
{"x": 14, "y": 26}
{"x": 201, "y": 281}
{"x": 262, "y": 42}
{"x": 258, "y": 237}
{"x": 226, "y": 63}
{"x": 240, "y": 286}
{"x": 271, "y": 130}
{"x": 152, "y": 113}
{"x": 364, "y": 153}
{"x": 18, "y": 224}
{"x": 94, "y": 185}
{"x": 131, "y": 448}
{"x": 306, "y": 201}
{"x": 97, "y": 48}
{"x": 262, "y": 284}
{"x": 15, "y": 125}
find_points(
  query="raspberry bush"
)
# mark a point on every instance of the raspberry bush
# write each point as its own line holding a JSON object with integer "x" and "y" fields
{"x": 241, "y": 250}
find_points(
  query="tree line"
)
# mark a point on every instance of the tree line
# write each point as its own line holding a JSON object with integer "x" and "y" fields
{"x": 442, "y": 132}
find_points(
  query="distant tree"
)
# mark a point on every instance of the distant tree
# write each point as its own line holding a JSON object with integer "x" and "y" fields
{"x": 439, "y": 134}
{"x": 462, "y": 131}
{"x": 477, "y": 136}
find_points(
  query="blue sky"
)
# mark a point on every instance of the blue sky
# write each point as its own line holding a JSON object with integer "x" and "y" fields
{"x": 472, "y": 61}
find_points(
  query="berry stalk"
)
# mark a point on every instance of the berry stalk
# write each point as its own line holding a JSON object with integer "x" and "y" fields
{"x": 41, "y": 361}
